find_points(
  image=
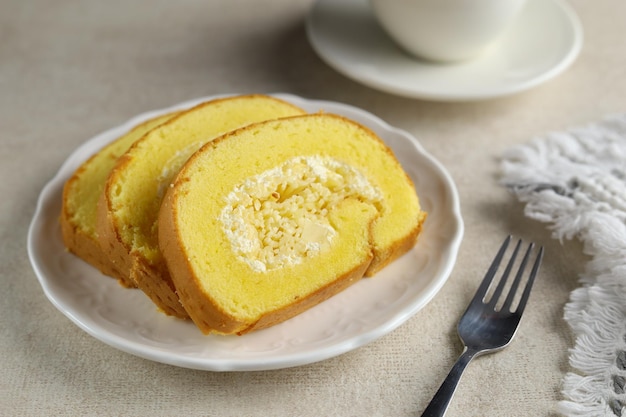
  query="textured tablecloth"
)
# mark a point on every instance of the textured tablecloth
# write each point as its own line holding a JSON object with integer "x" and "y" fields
{"x": 575, "y": 182}
{"x": 71, "y": 69}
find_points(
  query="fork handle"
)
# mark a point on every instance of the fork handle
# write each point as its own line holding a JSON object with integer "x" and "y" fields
{"x": 439, "y": 404}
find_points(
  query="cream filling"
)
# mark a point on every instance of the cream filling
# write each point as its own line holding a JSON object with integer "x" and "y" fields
{"x": 173, "y": 165}
{"x": 280, "y": 217}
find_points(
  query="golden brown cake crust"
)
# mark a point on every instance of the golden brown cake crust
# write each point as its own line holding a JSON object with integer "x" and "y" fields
{"x": 341, "y": 283}
{"x": 109, "y": 239}
{"x": 168, "y": 241}
{"x": 80, "y": 196}
{"x": 85, "y": 246}
{"x": 162, "y": 290}
{"x": 398, "y": 249}
{"x": 153, "y": 280}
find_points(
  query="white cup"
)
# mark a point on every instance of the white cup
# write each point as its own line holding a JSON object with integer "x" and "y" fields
{"x": 446, "y": 30}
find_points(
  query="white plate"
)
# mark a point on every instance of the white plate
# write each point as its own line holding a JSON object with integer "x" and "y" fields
{"x": 543, "y": 42}
{"x": 127, "y": 320}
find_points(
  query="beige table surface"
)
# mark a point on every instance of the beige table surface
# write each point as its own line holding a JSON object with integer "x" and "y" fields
{"x": 70, "y": 69}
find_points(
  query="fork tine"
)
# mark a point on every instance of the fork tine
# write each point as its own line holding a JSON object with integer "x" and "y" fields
{"x": 481, "y": 292}
{"x": 529, "y": 284}
{"x": 518, "y": 278}
{"x": 505, "y": 275}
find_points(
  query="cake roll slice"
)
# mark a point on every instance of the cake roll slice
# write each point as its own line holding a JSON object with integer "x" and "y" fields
{"x": 129, "y": 204}
{"x": 269, "y": 220}
{"x": 80, "y": 199}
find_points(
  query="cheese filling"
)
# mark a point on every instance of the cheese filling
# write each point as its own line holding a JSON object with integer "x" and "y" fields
{"x": 280, "y": 217}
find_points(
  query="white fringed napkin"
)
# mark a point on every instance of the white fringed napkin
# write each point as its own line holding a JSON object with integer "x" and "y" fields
{"x": 576, "y": 182}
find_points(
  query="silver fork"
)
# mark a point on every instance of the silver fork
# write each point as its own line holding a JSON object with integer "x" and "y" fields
{"x": 487, "y": 325}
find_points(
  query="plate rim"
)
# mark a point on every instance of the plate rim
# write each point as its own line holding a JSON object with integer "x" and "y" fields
{"x": 55, "y": 185}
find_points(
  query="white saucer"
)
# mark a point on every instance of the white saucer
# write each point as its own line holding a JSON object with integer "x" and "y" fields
{"x": 544, "y": 41}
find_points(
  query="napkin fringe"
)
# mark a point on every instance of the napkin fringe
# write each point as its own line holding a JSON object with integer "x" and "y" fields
{"x": 576, "y": 182}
